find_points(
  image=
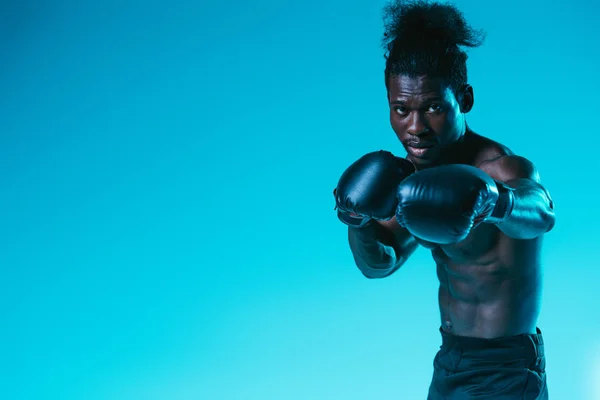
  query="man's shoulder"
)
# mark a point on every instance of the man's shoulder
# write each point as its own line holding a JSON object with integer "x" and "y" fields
{"x": 488, "y": 150}
{"x": 501, "y": 162}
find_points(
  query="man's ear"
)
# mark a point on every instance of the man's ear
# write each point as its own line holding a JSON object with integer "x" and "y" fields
{"x": 466, "y": 99}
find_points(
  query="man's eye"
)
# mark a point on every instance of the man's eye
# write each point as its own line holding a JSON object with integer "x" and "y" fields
{"x": 400, "y": 110}
{"x": 435, "y": 108}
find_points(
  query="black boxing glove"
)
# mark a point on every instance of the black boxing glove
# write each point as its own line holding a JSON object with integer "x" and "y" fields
{"x": 367, "y": 189}
{"x": 444, "y": 204}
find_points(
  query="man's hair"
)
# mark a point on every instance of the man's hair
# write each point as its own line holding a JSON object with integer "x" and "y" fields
{"x": 424, "y": 38}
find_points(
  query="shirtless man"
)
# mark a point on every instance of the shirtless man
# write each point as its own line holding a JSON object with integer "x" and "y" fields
{"x": 479, "y": 208}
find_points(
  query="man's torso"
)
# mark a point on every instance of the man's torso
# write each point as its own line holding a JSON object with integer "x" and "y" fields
{"x": 490, "y": 284}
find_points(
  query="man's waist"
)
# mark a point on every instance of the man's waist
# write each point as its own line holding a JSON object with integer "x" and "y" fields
{"x": 528, "y": 344}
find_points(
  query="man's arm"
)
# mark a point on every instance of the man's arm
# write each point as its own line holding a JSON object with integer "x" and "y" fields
{"x": 533, "y": 210}
{"x": 380, "y": 248}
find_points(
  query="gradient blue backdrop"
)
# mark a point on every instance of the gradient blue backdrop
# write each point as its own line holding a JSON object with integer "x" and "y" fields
{"x": 166, "y": 218}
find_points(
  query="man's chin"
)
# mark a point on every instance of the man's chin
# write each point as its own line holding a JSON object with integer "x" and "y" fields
{"x": 420, "y": 162}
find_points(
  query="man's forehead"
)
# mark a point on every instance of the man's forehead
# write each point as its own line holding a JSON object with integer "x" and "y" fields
{"x": 418, "y": 85}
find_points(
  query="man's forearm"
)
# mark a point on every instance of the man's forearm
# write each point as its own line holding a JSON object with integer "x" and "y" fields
{"x": 372, "y": 255}
{"x": 533, "y": 211}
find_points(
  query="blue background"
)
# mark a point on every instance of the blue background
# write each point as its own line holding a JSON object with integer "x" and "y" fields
{"x": 167, "y": 227}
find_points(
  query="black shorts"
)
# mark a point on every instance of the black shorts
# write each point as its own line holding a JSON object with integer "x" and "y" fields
{"x": 500, "y": 369}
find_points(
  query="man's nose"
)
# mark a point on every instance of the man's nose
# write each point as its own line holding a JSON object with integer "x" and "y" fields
{"x": 417, "y": 125}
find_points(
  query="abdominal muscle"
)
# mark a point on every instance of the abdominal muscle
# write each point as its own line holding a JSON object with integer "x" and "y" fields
{"x": 486, "y": 301}
{"x": 489, "y": 291}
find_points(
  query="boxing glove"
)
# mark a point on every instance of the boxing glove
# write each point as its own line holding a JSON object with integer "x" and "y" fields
{"x": 444, "y": 204}
{"x": 367, "y": 189}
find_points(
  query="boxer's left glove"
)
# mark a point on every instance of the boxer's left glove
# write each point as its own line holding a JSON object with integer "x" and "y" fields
{"x": 367, "y": 189}
{"x": 444, "y": 204}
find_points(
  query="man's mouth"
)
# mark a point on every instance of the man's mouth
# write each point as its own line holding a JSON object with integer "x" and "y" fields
{"x": 418, "y": 149}
{"x": 420, "y": 145}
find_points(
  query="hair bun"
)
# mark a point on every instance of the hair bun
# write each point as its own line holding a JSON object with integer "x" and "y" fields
{"x": 420, "y": 24}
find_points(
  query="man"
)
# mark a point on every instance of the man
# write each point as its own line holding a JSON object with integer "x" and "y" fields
{"x": 479, "y": 208}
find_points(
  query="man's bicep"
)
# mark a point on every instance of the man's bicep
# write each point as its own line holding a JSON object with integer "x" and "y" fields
{"x": 533, "y": 197}
{"x": 510, "y": 168}
{"x": 515, "y": 171}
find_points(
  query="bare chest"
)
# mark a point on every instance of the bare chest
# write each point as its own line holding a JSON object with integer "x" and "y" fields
{"x": 477, "y": 248}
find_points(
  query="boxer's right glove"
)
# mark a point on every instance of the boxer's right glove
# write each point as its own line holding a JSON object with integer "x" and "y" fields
{"x": 367, "y": 189}
{"x": 444, "y": 204}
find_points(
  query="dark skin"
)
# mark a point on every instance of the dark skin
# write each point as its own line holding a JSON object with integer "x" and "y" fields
{"x": 490, "y": 282}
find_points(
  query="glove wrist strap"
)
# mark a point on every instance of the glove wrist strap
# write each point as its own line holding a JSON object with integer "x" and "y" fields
{"x": 353, "y": 221}
{"x": 504, "y": 204}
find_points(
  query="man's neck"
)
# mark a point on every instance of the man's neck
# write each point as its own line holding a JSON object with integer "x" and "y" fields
{"x": 454, "y": 152}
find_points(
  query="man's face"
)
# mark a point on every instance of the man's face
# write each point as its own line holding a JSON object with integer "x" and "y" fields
{"x": 426, "y": 116}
